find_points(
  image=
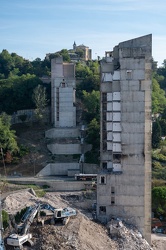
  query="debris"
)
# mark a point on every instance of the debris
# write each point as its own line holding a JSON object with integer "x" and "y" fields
{"x": 81, "y": 233}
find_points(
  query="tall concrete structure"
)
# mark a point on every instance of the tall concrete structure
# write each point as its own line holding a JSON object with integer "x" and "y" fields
{"x": 63, "y": 93}
{"x": 65, "y": 140}
{"x": 124, "y": 185}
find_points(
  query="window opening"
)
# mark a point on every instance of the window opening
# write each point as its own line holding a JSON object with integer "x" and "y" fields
{"x": 112, "y": 190}
{"x": 117, "y": 158}
{"x": 112, "y": 200}
{"x": 102, "y": 210}
{"x": 104, "y": 95}
{"x": 104, "y": 145}
{"x": 104, "y": 164}
{"x": 103, "y": 180}
{"x": 129, "y": 74}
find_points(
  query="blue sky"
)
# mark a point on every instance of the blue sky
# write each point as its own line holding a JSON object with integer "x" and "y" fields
{"x": 32, "y": 28}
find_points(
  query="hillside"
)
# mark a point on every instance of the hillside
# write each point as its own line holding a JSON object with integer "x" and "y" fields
{"x": 32, "y": 137}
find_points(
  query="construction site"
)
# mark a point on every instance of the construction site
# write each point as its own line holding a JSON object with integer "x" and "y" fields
{"x": 87, "y": 206}
{"x": 81, "y": 232}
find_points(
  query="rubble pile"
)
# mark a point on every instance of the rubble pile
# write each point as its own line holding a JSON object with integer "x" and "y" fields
{"x": 127, "y": 236}
{"x": 81, "y": 233}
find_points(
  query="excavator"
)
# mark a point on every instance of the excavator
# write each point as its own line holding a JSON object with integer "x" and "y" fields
{"x": 22, "y": 236}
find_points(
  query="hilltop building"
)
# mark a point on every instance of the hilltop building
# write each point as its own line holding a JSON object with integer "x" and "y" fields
{"x": 124, "y": 185}
{"x": 74, "y": 53}
{"x": 77, "y": 53}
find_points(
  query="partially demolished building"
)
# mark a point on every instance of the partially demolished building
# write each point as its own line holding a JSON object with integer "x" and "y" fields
{"x": 124, "y": 185}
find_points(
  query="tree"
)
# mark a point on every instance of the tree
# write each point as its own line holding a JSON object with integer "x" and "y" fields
{"x": 16, "y": 93}
{"x": 8, "y": 141}
{"x": 82, "y": 70}
{"x": 91, "y": 105}
{"x": 93, "y": 132}
{"x": 6, "y": 63}
{"x": 40, "y": 100}
{"x": 159, "y": 200}
{"x": 162, "y": 123}
{"x": 93, "y": 137}
{"x": 80, "y": 52}
{"x": 158, "y": 97}
{"x": 156, "y": 134}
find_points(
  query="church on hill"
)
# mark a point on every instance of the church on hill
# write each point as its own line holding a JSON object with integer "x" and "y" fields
{"x": 80, "y": 52}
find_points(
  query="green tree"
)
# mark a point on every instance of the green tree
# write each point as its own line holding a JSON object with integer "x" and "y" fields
{"x": 64, "y": 53}
{"x": 82, "y": 70}
{"x": 162, "y": 123}
{"x": 158, "y": 97}
{"x": 80, "y": 52}
{"x": 93, "y": 132}
{"x": 159, "y": 200}
{"x": 5, "y": 219}
{"x": 91, "y": 105}
{"x": 6, "y": 63}
{"x": 156, "y": 134}
{"x": 16, "y": 93}
{"x": 93, "y": 137}
{"x": 7, "y": 136}
{"x": 40, "y": 100}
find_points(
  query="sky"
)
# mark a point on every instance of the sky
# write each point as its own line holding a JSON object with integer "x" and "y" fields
{"x": 33, "y": 28}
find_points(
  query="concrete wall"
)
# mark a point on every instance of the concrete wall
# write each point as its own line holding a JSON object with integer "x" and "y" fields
{"x": 57, "y": 169}
{"x": 62, "y": 133}
{"x": 70, "y": 149}
{"x": 56, "y": 185}
{"x": 65, "y": 168}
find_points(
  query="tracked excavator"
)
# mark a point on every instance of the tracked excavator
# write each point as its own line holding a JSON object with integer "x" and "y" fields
{"x": 18, "y": 239}
{"x": 22, "y": 236}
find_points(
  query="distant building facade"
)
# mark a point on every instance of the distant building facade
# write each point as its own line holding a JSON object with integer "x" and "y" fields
{"x": 124, "y": 185}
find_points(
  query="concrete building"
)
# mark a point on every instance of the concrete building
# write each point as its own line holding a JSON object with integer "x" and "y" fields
{"x": 63, "y": 93}
{"x": 74, "y": 53}
{"x": 87, "y": 52}
{"x": 65, "y": 139}
{"x": 124, "y": 185}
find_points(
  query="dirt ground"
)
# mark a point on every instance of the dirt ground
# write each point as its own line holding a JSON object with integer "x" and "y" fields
{"x": 159, "y": 241}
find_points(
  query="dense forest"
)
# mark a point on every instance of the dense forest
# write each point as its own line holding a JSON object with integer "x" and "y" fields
{"x": 21, "y": 87}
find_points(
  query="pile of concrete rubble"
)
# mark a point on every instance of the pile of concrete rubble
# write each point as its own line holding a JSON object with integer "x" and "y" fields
{"x": 81, "y": 233}
{"x": 127, "y": 236}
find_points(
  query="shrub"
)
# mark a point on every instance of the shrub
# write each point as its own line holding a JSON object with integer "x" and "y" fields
{"x": 19, "y": 215}
{"x": 163, "y": 150}
{"x": 5, "y": 219}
